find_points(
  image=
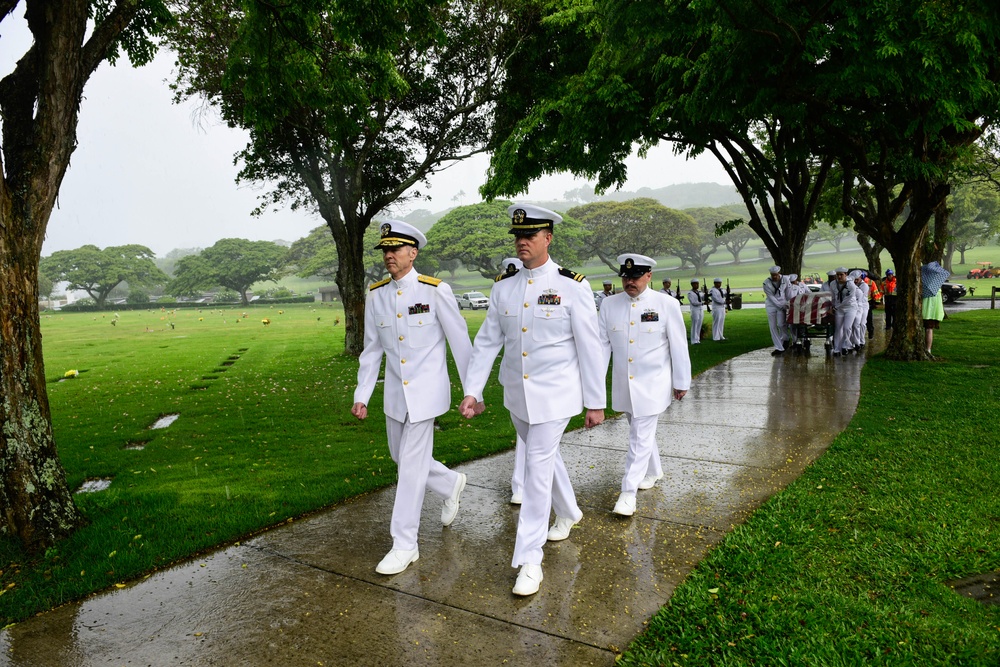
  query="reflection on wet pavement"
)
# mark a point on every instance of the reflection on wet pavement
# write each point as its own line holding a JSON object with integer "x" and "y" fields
{"x": 307, "y": 593}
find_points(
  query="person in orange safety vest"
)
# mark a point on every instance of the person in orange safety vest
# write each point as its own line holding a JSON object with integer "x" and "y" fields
{"x": 889, "y": 288}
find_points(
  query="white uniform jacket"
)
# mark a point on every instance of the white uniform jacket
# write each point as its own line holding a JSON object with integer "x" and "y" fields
{"x": 408, "y": 321}
{"x": 546, "y": 323}
{"x": 774, "y": 294}
{"x": 694, "y": 300}
{"x": 843, "y": 296}
{"x": 646, "y": 336}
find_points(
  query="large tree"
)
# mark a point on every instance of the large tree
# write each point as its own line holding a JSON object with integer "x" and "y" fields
{"x": 350, "y": 104}
{"x": 479, "y": 236}
{"x": 609, "y": 74}
{"x": 778, "y": 90}
{"x": 98, "y": 272}
{"x": 643, "y": 226}
{"x": 235, "y": 264}
{"x": 39, "y": 105}
{"x": 316, "y": 255}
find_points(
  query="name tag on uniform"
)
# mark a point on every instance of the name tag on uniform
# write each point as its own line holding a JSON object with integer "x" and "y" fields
{"x": 549, "y": 298}
{"x": 650, "y": 316}
{"x": 418, "y": 308}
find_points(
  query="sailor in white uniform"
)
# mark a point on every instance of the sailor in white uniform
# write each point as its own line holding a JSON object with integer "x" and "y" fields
{"x": 407, "y": 319}
{"x": 543, "y": 318}
{"x": 776, "y": 305}
{"x": 861, "y": 314}
{"x": 643, "y": 330}
{"x": 718, "y": 299}
{"x": 844, "y": 309}
{"x": 697, "y": 311}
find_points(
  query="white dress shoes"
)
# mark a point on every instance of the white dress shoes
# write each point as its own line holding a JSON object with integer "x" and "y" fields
{"x": 450, "y": 508}
{"x": 649, "y": 481}
{"x": 528, "y": 580}
{"x": 396, "y": 561}
{"x": 560, "y": 529}
{"x": 515, "y": 499}
{"x": 625, "y": 505}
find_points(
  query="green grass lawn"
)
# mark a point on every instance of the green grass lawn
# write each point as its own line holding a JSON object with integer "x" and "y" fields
{"x": 264, "y": 435}
{"x": 848, "y": 565}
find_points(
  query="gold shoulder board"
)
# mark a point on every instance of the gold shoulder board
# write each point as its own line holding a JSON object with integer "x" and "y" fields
{"x": 381, "y": 283}
{"x": 427, "y": 280}
{"x": 572, "y": 275}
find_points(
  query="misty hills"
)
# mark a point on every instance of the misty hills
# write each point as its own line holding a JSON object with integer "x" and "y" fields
{"x": 680, "y": 196}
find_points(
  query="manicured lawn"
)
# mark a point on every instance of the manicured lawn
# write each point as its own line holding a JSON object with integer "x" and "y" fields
{"x": 848, "y": 565}
{"x": 264, "y": 435}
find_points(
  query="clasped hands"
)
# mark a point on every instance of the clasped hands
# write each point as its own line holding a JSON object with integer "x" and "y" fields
{"x": 469, "y": 408}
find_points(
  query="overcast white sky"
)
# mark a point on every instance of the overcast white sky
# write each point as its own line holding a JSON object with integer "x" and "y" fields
{"x": 150, "y": 172}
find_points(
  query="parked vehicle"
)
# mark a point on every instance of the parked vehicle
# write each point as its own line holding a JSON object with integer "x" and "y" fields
{"x": 952, "y": 292}
{"x": 473, "y": 300}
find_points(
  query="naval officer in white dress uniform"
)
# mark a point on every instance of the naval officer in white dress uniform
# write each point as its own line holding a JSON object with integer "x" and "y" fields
{"x": 407, "y": 319}
{"x": 643, "y": 330}
{"x": 543, "y": 318}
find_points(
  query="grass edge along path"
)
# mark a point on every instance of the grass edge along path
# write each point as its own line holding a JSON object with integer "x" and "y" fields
{"x": 848, "y": 564}
{"x": 264, "y": 436}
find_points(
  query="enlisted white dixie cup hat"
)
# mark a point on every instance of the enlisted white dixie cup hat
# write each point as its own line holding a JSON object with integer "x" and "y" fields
{"x": 775, "y": 269}
{"x": 718, "y": 280}
{"x": 396, "y": 233}
{"x": 634, "y": 266}
{"x": 792, "y": 277}
{"x": 526, "y": 219}
{"x": 841, "y": 269}
{"x": 694, "y": 281}
{"x": 831, "y": 273}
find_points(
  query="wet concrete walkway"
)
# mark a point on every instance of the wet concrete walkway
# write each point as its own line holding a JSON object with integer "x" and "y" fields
{"x": 307, "y": 593}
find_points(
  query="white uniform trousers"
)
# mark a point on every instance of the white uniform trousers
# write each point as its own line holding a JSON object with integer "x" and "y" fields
{"x": 697, "y": 317}
{"x": 411, "y": 446}
{"x": 643, "y": 457}
{"x": 858, "y": 329}
{"x": 546, "y": 487}
{"x": 517, "y": 479}
{"x": 843, "y": 326}
{"x": 718, "y": 321}
{"x": 777, "y": 321}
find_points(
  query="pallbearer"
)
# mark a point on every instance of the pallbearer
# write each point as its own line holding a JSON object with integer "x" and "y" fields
{"x": 644, "y": 331}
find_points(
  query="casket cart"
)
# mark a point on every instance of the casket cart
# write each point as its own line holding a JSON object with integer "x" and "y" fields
{"x": 810, "y": 316}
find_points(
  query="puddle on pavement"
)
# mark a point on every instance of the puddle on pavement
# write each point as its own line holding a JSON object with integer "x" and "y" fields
{"x": 94, "y": 485}
{"x": 164, "y": 421}
{"x": 983, "y": 588}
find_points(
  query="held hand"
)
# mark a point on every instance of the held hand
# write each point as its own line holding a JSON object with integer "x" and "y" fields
{"x": 593, "y": 418}
{"x": 480, "y": 408}
{"x": 359, "y": 410}
{"x": 467, "y": 408}
{"x": 679, "y": 394}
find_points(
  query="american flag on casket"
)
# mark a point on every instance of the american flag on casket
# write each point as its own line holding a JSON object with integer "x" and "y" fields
{"x": 811, "y": 309}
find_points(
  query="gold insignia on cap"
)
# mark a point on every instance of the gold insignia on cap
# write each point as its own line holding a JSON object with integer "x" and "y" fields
{"x": 629, "y": 263}
{"x": 519, "y": 216}
{"x": 385, "y": 229}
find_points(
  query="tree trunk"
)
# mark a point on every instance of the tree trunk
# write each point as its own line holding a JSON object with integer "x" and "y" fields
{"x": 873, "y": 254}
{"x": 351, "y": 280}
{"x": 36, "y": 503}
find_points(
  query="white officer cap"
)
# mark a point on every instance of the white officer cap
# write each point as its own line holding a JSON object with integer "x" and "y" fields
{"x": 396, "y": 233}
{"x": 775, "y": 269}
{"x": 633, "y": 265}
{"x": 526, "y": 219}
{"x": 511, "y": 264}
